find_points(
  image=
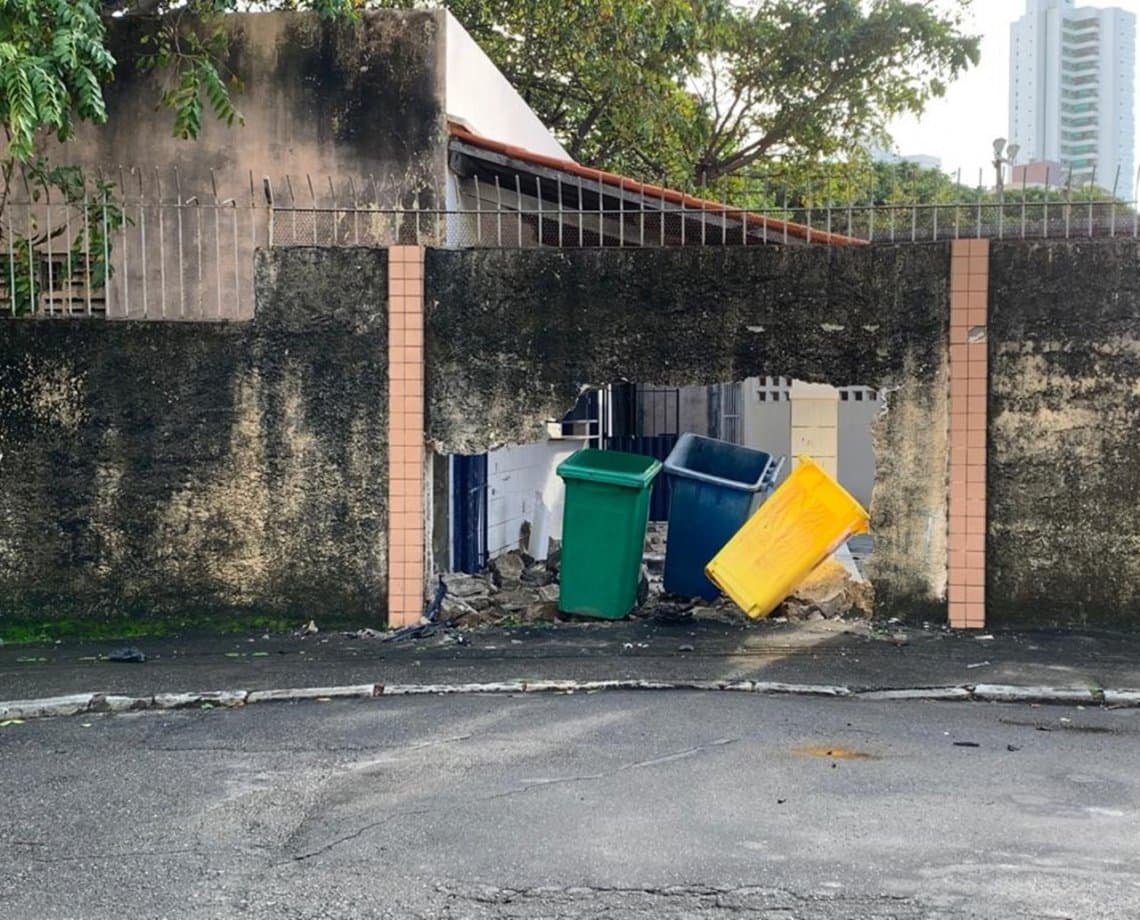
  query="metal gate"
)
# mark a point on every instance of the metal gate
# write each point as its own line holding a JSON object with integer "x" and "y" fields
{"x": 644, "y": 420}
{"x": 469, "y": 512}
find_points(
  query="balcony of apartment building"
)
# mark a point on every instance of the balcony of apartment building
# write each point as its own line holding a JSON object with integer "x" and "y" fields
{"x": 1080, "y": 26}
{"x": 1082, "y": 53}
{"x": 1075, "y": 149}
{"x": 1078, "y": 80}
{"x": 1078, "y": 95}
{"x": 1079, "y": 170}
{"x": 1083, "y": 37}
{"x": 1075, "y": 144}
{"x": 1083, "y": 65}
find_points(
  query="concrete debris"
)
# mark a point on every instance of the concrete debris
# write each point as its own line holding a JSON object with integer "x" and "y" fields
{"x": 516, "y": 588}
{"x": 516, "y": 600}
{"x": 128, "y": 654}
{"x": 537, "y": 575}
{"x": 830, "y": 592}
{"x": 453, "y": 608}
{"x": 367, "y": 633}
{"x": 461, "y": 585}
{"x": 543, "y": 612}
{"x": 554, "y": 557}
{"x": 656, "y": 535}
{"x": 508, "y": 568}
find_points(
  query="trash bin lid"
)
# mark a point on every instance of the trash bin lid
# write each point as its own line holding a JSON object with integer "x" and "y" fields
{"x": 612, "y": 467}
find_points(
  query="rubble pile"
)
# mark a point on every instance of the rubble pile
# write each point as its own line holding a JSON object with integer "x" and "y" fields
{"x": 828, "y": 593}
{"x": 516, "y": 588}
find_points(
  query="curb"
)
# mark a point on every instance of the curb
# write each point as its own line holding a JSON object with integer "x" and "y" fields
{"x": 80, "y": 703}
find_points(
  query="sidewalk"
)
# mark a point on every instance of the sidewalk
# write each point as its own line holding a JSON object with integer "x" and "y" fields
{"x": 851, "y": 655}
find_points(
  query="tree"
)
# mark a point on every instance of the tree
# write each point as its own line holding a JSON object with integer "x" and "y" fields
{"x": 683, "y": 91}
{"x": 804, "y": 80}
{"x": 611, "y": 78}
{"x": 692, "y": 91}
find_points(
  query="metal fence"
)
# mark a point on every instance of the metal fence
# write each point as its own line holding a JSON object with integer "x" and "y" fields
{"x": 139, "y": 244}
{"x": 538, "y": 225}
{"x": 134, "y": 245}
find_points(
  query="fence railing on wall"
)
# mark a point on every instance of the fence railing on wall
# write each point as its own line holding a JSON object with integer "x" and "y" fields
{"x": 136, "y": 244}
{"x": 539, "y": 226}
{"x": 140, "y": 244}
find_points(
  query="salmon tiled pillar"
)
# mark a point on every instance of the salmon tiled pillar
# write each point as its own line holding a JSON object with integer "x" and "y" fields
{"x": 405, "y": 435}
{"x": 815, "y": 424}
{"x": 969, "y": 289}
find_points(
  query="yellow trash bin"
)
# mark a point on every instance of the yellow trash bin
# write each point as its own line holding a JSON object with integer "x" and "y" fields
{"x": 802, "y": 523}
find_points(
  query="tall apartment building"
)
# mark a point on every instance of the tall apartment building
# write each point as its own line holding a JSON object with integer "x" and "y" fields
{"x": 1071, "y": 89}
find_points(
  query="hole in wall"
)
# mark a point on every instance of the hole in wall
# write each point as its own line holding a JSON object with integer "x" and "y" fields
{"x": 512, "y": 499}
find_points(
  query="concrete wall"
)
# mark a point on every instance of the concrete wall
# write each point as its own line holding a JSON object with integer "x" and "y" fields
{"x": 321, "y": 100}
{"x": 186, "y": 474}
{"x": 1064, "y": 404}
{"x": 537, "y": 325}
{"x": 318, "y": 97}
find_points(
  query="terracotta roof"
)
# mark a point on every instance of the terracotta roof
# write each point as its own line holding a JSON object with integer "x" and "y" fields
{"x": 772, "y": 225}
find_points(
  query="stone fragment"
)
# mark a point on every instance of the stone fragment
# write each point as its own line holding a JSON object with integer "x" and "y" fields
{"x": 545, "y": 612}
{"x": 536, "y": 575}
{"x": 460, "y": 584}
{"x": 507, "y": 569}
{"x": 127, "y": 655}
{"x": 554, "y": 557}
{"x": 518, "y": 599}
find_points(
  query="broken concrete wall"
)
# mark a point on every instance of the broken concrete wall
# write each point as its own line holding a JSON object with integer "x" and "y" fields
{"x": 1064, "y": 470}
{"x": 166, "y": 475}
{"x": 512, "y": 337}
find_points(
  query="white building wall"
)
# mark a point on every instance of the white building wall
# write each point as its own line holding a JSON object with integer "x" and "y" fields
{"x": 525, "y": 496}
{"x": 478, "y": 95}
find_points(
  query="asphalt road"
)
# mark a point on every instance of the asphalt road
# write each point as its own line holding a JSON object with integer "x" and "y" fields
{"x": 623, "y": 805}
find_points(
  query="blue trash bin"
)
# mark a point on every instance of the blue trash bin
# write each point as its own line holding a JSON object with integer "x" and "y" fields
{"x": 714, "y": 487}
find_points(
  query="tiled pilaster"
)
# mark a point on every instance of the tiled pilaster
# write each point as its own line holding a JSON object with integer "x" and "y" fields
{"x": 405, "y": 435}
{"x": 969, "y": 374}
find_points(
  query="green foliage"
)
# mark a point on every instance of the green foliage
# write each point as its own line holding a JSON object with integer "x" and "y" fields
{"x": 687, "y": 92}
{"x": 52, "y": 66}
{"x": 805, "y": 80}
{"x": 86, "y": 214}
{"x": 693, "y": 91}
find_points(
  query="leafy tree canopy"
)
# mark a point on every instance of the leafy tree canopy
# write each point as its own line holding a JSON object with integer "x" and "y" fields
{"x": 693, "y": 91}
{"x": 685, "y": 91}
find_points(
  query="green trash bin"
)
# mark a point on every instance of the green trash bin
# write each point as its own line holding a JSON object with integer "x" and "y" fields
{"x": 603, "y": 530}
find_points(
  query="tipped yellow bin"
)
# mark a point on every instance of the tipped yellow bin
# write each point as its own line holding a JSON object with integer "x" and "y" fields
{"x": 802, "y": 523}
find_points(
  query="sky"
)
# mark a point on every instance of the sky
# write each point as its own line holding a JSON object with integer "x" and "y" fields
{"x": 960, "y": 127}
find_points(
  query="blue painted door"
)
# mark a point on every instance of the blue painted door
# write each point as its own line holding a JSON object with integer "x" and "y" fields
{"x": 469, "y": 510}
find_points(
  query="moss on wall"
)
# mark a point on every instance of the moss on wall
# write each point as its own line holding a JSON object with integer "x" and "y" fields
{"x": 158, "y": 474}
{"x": 1064, "y": 464}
